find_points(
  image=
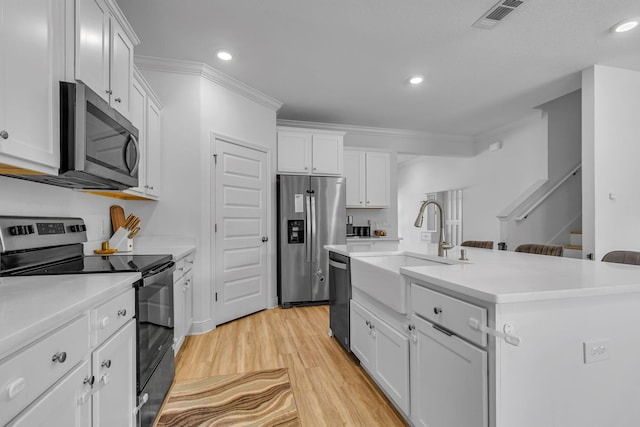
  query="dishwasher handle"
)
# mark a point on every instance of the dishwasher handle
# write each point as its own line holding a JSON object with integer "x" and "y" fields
{"x": 336, "y": 264}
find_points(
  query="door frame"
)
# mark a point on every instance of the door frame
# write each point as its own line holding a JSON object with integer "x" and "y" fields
{"x": 270, "y": 294}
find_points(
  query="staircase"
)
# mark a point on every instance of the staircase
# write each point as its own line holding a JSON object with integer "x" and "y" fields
{"x": 574, "y": 248}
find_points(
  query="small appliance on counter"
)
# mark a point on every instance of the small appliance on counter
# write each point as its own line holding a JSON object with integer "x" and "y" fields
{"x": 350, "y": 226}
{"x": 362, "y": 231}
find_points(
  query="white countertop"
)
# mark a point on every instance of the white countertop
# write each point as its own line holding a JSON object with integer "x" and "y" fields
{"x": 356, "y": 239}
{"x": 505, "y": 276}
{"x": 29, "y": 306}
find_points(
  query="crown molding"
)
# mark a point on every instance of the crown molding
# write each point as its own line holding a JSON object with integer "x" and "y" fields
{"x": 372, "y": 131}
{"x": 207, "y": 72}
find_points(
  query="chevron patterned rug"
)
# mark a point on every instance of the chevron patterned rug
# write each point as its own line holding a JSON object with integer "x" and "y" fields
{"x": 262, "y": 398}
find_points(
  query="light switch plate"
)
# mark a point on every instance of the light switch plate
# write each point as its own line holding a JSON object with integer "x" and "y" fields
{"x": 595, "y": 351}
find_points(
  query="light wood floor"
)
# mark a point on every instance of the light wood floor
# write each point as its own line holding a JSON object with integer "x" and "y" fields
{"x": 329, "y": 386}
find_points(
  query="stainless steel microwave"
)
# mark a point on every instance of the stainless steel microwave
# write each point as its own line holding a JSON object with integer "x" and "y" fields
{"x": 98, "y": 146}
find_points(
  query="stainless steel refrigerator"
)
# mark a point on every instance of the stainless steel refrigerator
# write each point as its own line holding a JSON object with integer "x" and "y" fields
{"x": 311, "y": 214}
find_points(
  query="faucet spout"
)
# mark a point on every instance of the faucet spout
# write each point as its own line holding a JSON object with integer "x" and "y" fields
{"x": 442, "y": 245}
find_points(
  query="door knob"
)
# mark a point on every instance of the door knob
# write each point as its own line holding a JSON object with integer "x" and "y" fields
{"x": 265, "y": 239}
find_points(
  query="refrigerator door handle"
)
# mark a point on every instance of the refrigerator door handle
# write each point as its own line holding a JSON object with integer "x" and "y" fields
{"x": 313, "y": 223}
{"x": 307, "y": 244}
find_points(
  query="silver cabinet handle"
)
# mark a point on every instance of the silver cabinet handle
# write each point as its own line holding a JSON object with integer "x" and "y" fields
{"x": 109, "y": 91}
{"x": 367, "y": 323}
{"x": 4, "y": 134}
{"x": 59, "y": 357}
{"x": 437, "y": 310}
{"x": 150, "y": 187}
{"x": 106, "y": 363}
{"x": 143, "y": 399}
{"x": 118, "y": 100}
{"x": 122, "y": 312}
{"x": 265, "y": 239}
{"x": 15, "y": 387}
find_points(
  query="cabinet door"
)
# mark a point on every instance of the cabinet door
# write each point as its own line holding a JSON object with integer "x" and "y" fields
{"x": 139, "y": 120}
{"x": 449, "y": 379}
{"x": 362, "y": 335}
{"x": 31, "y": 67}
{"x": 178, "y": 314}
{"x": 327, "y": 154}
{"x": 93, "y": 45}
{"x": 188, "y": 302}
{"x": 61, "y": 405}
{"x": 378, "y": 184}
{"x": 294, "y": 152}
{"x": 114, "y": 369}
{"x": 121, "y": 72}
{"x": 392, "y": 363}
{"x": 154, "y": 149}
{"x": 354, "y": 172}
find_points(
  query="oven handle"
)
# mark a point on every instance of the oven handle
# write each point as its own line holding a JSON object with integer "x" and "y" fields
{"x": 167, "y": 268}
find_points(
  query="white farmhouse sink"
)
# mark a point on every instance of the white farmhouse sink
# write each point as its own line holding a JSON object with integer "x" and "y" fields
{"x": 379, "y": 277}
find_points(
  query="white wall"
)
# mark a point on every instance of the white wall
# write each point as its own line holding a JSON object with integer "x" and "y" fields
{"x": 552, "y": 221}
{"x": 33, "y": 199}
{"x": 194, "y": 107}
{"x": 490, "y": 181}
{"x": 611, "y": 149}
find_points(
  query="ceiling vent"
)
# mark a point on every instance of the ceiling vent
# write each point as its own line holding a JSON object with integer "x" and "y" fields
{"x": 497, "y": 13}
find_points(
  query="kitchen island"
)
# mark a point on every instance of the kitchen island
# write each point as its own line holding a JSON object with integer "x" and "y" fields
{"x": 509, "y": 339}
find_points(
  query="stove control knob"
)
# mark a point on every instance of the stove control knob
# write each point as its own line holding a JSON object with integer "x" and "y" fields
{"x": 21, "y": 230}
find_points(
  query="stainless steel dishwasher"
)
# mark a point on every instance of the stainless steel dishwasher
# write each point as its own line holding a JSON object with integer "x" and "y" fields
{"x": 339, "y": 297}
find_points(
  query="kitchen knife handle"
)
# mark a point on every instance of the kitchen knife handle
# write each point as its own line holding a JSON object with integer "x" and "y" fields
{"x": 134, "y": 232}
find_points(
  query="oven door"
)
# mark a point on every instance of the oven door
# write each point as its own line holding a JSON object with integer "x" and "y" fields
{"x": 154, "y": 320}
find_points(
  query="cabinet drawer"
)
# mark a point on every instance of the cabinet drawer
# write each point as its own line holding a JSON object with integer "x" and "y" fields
{"x": 111, "y": 316}
{"x": 448, "y": 312}
{"x": 26, "y": 375}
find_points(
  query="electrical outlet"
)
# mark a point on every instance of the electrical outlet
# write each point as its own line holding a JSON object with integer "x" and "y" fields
{"x": 595, "y": 351}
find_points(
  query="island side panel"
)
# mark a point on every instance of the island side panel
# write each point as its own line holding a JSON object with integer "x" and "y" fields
{"x": 545, "y": 381}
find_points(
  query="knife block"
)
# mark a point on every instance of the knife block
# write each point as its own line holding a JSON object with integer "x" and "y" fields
{"x": 121, "y": 241}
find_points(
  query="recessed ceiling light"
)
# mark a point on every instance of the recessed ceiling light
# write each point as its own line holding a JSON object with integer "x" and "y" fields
{"x": 624, "y": 26}
{"x": 225, "y": 55}
{"x": 416, "y": 80}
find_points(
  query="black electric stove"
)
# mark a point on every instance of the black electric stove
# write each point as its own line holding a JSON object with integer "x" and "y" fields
{"x": 47, "y": 245}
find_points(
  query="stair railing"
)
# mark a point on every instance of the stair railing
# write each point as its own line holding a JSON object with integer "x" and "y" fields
{"x": 548, "y": 193}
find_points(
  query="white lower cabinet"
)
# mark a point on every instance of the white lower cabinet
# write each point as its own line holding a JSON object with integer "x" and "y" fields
{"x": 383, "y": 352}
{"x": 62, "y": 405}
{"x": 114, "y": 373}
{"x": 182, "y": 300}
{"x": 81, "y": 373}
{"x": 448, "y": 379}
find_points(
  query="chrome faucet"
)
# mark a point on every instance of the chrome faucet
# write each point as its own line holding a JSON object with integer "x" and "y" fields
{"x": 442, "y": 245}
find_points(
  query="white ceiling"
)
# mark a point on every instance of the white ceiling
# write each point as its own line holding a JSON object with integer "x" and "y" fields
{"x": 348, "y": 61}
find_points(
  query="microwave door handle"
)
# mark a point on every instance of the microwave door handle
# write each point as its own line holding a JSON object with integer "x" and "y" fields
{"x": 135, "y": 144}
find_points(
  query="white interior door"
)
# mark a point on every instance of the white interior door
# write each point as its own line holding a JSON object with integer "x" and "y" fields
{"x": 240, "y": 231}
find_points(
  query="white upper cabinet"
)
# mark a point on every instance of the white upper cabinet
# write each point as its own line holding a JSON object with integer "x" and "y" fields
{"x": 368, "y": 176}
{"x": 31, "y": 67}
{"x": 145, "y": 115}
{"x": 309, "y": 152}
{"x": 104, "y": 52}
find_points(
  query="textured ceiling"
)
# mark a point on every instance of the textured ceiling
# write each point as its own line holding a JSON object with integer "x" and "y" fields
{"x": 348, "y": 61}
